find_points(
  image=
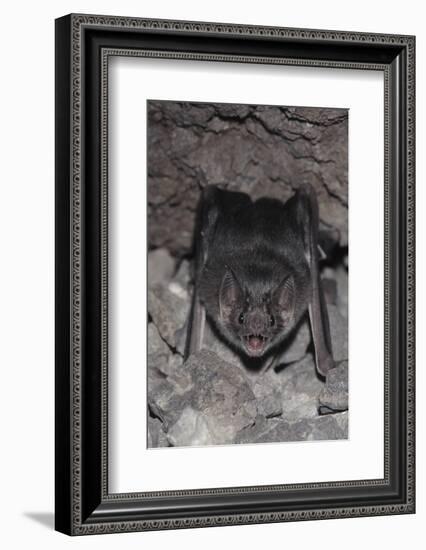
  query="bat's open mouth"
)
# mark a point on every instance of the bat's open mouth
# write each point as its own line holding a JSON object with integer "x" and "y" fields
{"x": 255, "y": 344}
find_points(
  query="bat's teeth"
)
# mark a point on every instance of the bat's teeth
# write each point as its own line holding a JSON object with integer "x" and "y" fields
{"x": 255, "y": 343}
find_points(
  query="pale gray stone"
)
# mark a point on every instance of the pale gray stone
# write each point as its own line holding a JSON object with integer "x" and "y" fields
{"x": 156, "y": 435}
{"x": 300, "y": 388}
{"x": 191, "y": 428}
{"x": 180, "y": 338}
{"x": 339, "y": 333}
{"x": 160, "y": 267}
{"x": 160, "y": 356}
{"x": 334, "y": 396}
{"x": 166, "y": 394}
{"x": 217, "y": 345}
{"x": 158, "y": 351}
{"x": 183, "y": 274}
{"x": 168, "y": 310}
{"x": 215, "y": 398}
{"x": 295, "y": 348}
{"x": 216, "y": 395}
{"x": 274, "y": 430}
{"x": 267, "y": 390}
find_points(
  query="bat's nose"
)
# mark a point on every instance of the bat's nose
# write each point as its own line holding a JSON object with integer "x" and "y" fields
{"x": 256, "y": 322}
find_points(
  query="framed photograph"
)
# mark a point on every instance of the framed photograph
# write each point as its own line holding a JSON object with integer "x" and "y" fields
{"x": 234, "y": 274}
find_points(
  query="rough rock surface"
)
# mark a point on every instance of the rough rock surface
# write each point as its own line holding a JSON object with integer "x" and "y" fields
{"x": 168, "y": 308}
{"x": 206, "y": 402}
{"x": 160, "y": 267}
{"x": 300, "y": 390}
{"x": 261, "y": 150}
{"x": 217, "y": 396}
{"x": 160, "y": 357}
{"x": 156, "y": 435}
{"x": 296, "y": 345}
{"x": 334, "y": 396}
{"x": 333, "y": 426}
{"x": 339, "y": 331}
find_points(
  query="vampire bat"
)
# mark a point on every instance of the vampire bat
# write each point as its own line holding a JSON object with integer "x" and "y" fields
{"x": 256, "y": 272}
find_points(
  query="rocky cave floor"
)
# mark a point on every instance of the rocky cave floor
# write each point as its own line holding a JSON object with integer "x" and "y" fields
{"x": 214, "y": 398}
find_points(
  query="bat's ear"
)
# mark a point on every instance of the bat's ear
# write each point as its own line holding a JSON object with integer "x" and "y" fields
{"x": 285, "y": 297}
{"x": 230, "y": 293}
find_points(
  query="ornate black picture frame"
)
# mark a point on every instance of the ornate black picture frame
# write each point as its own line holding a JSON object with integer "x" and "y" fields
{"x": 84, "y": 44}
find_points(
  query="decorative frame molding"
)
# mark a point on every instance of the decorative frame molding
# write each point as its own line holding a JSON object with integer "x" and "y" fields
{"x": 84, "y": 44}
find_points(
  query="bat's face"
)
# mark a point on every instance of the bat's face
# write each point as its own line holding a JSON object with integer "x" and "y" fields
{"x": 256, "y": 320}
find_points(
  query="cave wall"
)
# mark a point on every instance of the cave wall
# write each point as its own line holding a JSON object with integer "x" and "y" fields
{"x": 261, "y": 150}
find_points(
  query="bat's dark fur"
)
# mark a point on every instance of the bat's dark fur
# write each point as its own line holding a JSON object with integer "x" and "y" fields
{"x": 257, "y": 272}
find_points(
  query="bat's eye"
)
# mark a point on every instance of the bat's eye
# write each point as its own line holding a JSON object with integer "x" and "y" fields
{"x": 241, "y": 318}
{"x": 271, "y": 320}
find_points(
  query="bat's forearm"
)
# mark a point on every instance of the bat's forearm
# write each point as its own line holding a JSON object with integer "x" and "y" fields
{"x": 196, "y": 327}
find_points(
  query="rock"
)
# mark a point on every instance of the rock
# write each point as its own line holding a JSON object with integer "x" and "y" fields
{"x": 178, "y": 290}
{"x": 330, "y": 290}
{"x": 158, "y": 351}
{"x": 160, "y": 267}
{"x": 212, "y": 404}
{"x": 166, "y": 394}
{"x": 267, "y": 390}
{"x": 214, "y": 343}
{"x": 180, "y": 339}
{"x": 295, "y": 348}
{"x": 339, "y": 333}
{"x": 334, "y": 396}
{"x": 274, "y": 430}
{"x": 292, "y": 392}
{"x": 164, "y": 402}
{"x": 160, "y": 356}
{"x": 232, "y": 111}
{"x": 217, "y": 397}
{"x": 183, "y": 274}
{"x": 156, "y": 435}
{"x": 191, "y": 428}
{"x": 338, "y": 274}
{"x": 174, "y": 364}
{"x": 168, "y": 310}
{"x": 342, "y": 288}
{"x": 208, "y": 401}
{"x": 300, "y": 389}
{"x": 261, "y": 150}
{"x": 156, "y": 345}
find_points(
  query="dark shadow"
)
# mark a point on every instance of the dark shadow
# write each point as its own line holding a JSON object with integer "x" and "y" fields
{"x": 47, "y": 519}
